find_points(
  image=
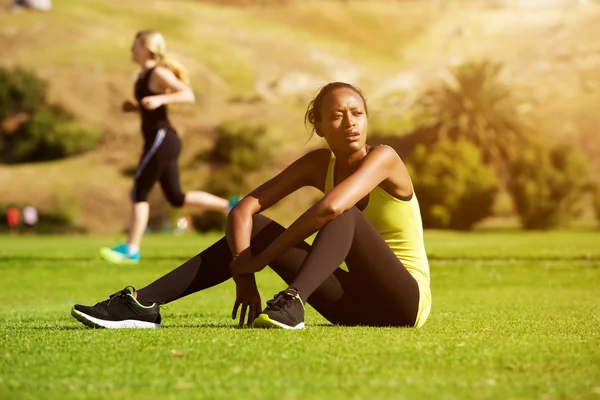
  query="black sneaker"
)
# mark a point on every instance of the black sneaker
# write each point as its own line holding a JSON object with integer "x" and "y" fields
{"x": 121, "y": 310}
{"x": 286, "y": 311}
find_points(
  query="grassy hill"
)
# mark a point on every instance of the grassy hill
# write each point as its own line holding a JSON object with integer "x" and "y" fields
{"x": 262, "y": 63}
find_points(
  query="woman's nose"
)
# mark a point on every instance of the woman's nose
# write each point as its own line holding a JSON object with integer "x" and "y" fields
{"x": 348, "y": 120}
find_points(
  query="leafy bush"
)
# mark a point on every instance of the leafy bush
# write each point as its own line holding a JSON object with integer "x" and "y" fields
{"x": 32, "y": 129}
{"x": 455, "y": 190}
{"x": 546, "y": 182}
{"x": 245, "y": 146}
{"x": 240, "y": 150}
{"x": 20, "y": 91}
{"x": 56, "y": 223}
{"x": 51, "y": 134}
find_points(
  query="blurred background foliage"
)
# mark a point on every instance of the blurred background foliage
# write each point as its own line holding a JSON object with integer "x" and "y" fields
{"x": 496, "y": 125}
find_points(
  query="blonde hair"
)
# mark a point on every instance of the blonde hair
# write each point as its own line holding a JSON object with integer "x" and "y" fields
{"x": 155, "y": 43}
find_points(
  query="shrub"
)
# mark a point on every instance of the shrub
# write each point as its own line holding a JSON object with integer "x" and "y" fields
{"x": 245, "y": 146}
{"x": 455, "y": 190}
{"x": 545, "y": 183}
{"x": 240, "y": 150}
{"x": 50, "y": 134}
{"x": 20, "y": 91}
{"x": 33, "y": 130}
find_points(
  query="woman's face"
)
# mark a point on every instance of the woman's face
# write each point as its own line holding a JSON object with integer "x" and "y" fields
{"x": 343, "y": 121}
{"x": 139, "y": 53}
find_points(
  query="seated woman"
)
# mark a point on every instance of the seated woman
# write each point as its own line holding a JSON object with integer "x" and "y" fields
{"x": 369, "y": 217}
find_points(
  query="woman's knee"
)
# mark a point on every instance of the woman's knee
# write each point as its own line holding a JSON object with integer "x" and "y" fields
{"x": 264, "y": 231}
{"x": 348, "y": 217}
{"x": 177, "y": 200}
{"x": 259, "y": 222}
{"x": 138, "y": 195}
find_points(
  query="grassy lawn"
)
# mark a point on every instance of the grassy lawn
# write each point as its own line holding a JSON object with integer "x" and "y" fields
{"x": 515, "y": 315}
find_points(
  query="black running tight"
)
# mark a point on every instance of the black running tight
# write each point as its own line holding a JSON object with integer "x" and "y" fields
{"x": 377, "y": 290}
{"x": 159, "y": 163}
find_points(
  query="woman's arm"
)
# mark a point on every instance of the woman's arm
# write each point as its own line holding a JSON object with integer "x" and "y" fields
{"x": 376, "y": 167}
{"x": 129, "y": 106}
{"x": 175, "y": 91}
{"x": 303, "y": 172}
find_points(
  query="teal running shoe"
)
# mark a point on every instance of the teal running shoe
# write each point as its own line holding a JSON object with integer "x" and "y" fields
{"x": 120, "y": 255}
{"x": 233, "y": 200}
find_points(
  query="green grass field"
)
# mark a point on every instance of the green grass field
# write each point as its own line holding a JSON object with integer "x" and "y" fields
{"x": 515, "y": 315}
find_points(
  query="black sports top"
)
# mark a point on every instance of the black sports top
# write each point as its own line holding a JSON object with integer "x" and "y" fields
{"x": 152, "y": 120}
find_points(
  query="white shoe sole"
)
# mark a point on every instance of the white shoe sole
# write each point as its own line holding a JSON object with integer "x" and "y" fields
{"x": 100, "y": 323}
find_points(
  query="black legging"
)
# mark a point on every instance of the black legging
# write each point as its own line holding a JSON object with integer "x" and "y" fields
{"x": 159, "y": 163}
{"x": 377, "y": 290}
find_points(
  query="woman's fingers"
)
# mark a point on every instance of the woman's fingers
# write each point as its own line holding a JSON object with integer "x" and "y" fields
{"x": 243, "y": 315}
{"x": 252, "y": 314}
{"x": 236, "y": 305}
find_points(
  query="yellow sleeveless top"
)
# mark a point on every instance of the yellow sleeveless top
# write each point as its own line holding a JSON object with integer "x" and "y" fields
{"x": 399, "y": 224}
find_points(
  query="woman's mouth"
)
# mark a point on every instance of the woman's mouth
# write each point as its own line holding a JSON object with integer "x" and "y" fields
{"x": 353, "y": 136}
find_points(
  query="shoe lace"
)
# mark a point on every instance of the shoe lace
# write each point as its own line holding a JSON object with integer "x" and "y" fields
{"x": 119, "y": 295}
{"x": 281, "y": 300}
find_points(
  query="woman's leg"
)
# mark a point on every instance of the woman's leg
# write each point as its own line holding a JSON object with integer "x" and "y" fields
{"x": 211, "y": 267}
{"x": 207, "y": 269}
{"x": 140, "y": 212}
{"x": 206, "y": 201}
{"x": 146, "y": 175}
{"x": 169, "y": 181}
{"x": 378, "y": 290}
{"x": 148, "y": 171}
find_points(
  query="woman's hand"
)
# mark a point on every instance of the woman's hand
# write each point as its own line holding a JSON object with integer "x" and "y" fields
{"x": 246, "y": 295}
{"x": 151, "y": 102}
{"x": 245, "y": 263}
{"x": 128, "y": 106}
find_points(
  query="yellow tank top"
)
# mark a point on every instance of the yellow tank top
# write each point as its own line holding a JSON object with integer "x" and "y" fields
{"x": 399, "y": 224}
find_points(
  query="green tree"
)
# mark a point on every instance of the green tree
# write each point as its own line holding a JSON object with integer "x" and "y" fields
{"x": 546, "y": 183}
{"x": 474, "y": 104}
{"x": 455, "y": 190}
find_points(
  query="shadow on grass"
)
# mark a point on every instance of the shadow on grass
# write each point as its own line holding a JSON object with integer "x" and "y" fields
{"x": 235, "y": 326}
{"x": 199, "y": 326}
{"x": 83, "y": 327}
